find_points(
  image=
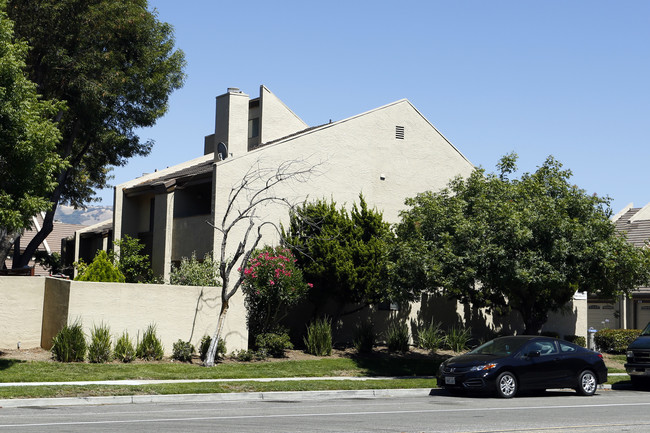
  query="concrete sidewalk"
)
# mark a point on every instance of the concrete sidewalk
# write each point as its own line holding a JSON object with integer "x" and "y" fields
{"x": 156, "y": 382}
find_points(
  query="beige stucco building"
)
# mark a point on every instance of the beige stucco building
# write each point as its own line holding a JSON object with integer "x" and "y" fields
{"x": 631, "y": 312}
{"x": 388, "y": 154}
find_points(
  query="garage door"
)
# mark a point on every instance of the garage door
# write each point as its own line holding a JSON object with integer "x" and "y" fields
{"x": 642, "y": 314}
{"x": 601, "y": 315}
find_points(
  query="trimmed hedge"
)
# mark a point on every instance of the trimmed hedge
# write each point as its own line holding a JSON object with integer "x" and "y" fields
{"x": 576, "y": 339}
{"x": 615, "y": 341}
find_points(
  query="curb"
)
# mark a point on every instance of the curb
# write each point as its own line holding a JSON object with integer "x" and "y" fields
{"x": 133, "y": 382}
{"x": 203, "y": 398}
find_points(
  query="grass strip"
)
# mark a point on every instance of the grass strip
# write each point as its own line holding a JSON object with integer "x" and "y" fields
{"x": 48, "y": 391}
{"x": 18, "y": 371}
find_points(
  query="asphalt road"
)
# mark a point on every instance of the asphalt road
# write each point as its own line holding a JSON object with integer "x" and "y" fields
{"x": 608, "y": 411}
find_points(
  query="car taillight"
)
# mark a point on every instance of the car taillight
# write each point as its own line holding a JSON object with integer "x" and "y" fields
{"x": 600, "y": 355}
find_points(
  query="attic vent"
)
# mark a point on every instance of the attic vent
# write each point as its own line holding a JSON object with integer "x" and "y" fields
{"x": 399, "y": 132}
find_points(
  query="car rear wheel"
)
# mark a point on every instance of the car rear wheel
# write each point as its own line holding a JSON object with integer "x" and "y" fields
{"x": 587, "y": 383}
{"x": 506, "y": 385}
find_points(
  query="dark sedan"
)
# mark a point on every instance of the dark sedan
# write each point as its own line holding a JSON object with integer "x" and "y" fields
{"x": 511, "y": 364}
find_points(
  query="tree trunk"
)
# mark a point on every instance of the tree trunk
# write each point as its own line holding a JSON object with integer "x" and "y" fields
{"x": 533, "y": 321}
{"x": 7, "y": 240}
{"x": 212, "y": 350}
{"x": 37, "y": 240}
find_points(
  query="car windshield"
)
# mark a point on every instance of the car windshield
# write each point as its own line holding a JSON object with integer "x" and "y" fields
{"x": 646, "y": 331}
{"x": 500, "y": 346}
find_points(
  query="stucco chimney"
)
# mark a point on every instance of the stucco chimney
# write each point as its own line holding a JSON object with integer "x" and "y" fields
{"x": 231, "y": 123}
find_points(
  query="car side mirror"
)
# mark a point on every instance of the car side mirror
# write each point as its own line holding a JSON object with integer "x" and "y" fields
{"x": 533, "y": 354}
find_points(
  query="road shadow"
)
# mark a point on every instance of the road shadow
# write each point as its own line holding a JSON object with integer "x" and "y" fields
{"x": 440, "y": 392}
{"x": 627, "y": 385}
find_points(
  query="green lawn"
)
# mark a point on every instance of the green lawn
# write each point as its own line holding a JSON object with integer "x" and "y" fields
{"x": 403, "y": 367}
{"x": 18, "y": 371}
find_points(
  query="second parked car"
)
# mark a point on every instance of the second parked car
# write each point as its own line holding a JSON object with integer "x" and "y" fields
{"x": 507, "y": 365}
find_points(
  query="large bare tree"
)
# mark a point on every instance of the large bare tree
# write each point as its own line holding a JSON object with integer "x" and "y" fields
{"x": 258, "y": 188}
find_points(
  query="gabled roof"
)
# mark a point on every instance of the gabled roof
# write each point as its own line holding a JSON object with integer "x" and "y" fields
{"x": 52, "y": 243}
{"x": 99, "y": 228}
{"x": 635, "y": 223}
{"x": 183, "y": 174}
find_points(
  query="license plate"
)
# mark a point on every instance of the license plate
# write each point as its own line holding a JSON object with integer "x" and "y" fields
{"x": 450, "y": 380}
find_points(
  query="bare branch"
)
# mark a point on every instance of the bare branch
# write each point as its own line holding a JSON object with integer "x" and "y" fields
{"x": 256, "y": 188}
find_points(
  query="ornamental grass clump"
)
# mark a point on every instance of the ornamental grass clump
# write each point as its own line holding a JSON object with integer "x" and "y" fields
{"x": 364, "y": 337}
{"x": 458, "y": 338}
{"x": 397, "y": 337}
{"x": 99, "y": 350}
{"x": 69, "y": 344}
{"x": 319, "y": 337}
{"x": 150, "y": 348}
{"x": 124, "y": 350}
{"x": 431, "y": 337}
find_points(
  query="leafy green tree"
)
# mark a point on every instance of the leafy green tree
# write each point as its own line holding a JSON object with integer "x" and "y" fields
{"x": 272, "y": 284}
{"x": 114, "y": 65}
{"x": 344, "y": 255}
{"x": 193, "y": 272}
{"x": 135, "y": 266}
{"x": 28, "y": 158}
{"x": 515, "y": 244}
{"x": 52, "y": 262}
{"x": 101, "y": 269}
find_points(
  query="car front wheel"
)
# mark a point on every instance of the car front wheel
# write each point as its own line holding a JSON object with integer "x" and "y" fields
{"x": 587, "y": 383}
{"x": 506, "y": 385}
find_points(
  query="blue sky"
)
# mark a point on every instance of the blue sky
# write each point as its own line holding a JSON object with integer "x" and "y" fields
{"x": 564, "y": 78}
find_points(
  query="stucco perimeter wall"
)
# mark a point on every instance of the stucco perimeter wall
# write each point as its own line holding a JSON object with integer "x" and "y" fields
{"x": 21, "y": 311}
{"x": 179, "y": 312}
{"x": 449, "y": 314}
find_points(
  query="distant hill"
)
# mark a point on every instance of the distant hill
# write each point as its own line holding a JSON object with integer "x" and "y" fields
{"x": 89, "y": 216}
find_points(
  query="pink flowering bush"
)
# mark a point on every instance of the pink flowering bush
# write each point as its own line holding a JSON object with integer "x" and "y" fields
{"x": 272, "y": 284}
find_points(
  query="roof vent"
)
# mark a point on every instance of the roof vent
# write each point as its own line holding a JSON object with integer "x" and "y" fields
{"x": 399, "y": 132}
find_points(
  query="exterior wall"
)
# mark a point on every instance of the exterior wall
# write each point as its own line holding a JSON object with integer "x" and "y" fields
{"x": 191, "y": 235}
{"x": 34, "y": 309}
{"x": 21, "y": 311}
{"x": 570, "y": 322}
{"x": 277, "y": 120}
{"x": 359, "y": 155}
{"x": 437, "y": 309}
{"x": 173, "y": 309}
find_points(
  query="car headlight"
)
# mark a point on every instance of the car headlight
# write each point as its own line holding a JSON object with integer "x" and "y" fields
{"x": 483, "y": 367}
{"x": 630, "y": 354}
